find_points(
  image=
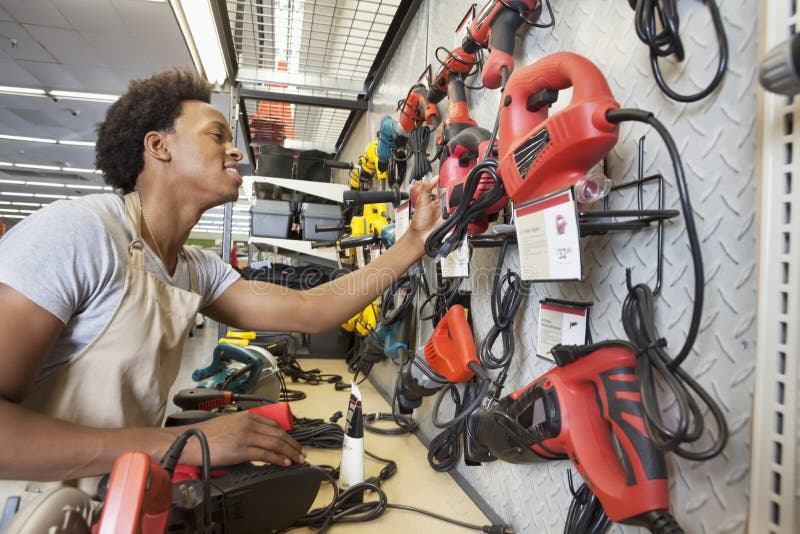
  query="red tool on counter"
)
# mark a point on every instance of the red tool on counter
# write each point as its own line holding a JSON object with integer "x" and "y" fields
{"x": 582, "y": 410}
{"x": 541, "y": 153}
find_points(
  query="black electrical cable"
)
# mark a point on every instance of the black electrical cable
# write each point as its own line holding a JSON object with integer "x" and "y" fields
{"x": 407, "y": 427}
{"x": 668, "y": 42}
{"x": 461, "y": 413}
{"x": 586, "y": 514}
{"x": 638, "y": 314}
{"x": 418, "y": 141}
{"x": 292, "y": 369}
{"x": 409, "y": 285}
{"x": 444, "y": 451}
{"x": 172, "y": 456}
{"x": 441, "y": 241}
{"x": 318, "y": 433}
{"x": 508, "y": 292}
{"x": 348, "y": 506}
{"x": 445, "y": 294}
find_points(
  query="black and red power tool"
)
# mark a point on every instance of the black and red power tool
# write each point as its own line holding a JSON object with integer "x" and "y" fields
{"x": 449, "y": 357}
{"x": 541, "y": 153}
{"x": 589, "y": 410}
{"x": 495, "y": 27}
{"x": 458, "y": 64}
{"x": 415, "y": 109}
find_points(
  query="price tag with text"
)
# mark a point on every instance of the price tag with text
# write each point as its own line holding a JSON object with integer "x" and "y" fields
{"x": 549, "y": 238}
{"x": 562, "y": 323}
{"x": 456, "y": 264}
{"x": 401, "y": 218}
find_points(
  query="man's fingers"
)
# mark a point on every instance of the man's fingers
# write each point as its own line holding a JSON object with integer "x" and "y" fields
{"x": 261, "y": 455}
{"x": 278, "y": 445}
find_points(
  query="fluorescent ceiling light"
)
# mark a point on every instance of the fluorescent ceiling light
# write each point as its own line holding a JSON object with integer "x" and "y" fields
{"x": 37, "y": 167}
{"x": 75, "y": 143}
{"x": 18, "y": 182}
{"x": 41, "y": 195}
{"x": 46, "y": 184}
{"x": 91, "y": 97}
{"x": 77, "y": 169}
{"x": 23, "y": 203}
{"x": 31, "y": 139}
{"x": 13, "y": 216}
{"x": 200, "y": 33}
{"x": 9, "y": 210}
{"x": 22, "y": 91}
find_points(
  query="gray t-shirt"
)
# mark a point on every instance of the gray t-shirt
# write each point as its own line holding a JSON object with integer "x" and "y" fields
{"x": 69, "y": 258}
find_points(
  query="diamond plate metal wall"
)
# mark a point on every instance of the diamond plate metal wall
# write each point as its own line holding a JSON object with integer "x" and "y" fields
{"x": 717, "y": 139}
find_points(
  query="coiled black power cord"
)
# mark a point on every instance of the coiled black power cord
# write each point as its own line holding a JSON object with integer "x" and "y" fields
{"x": 508, "y": 292}
{"x": 638, "y": 314}
{"x": 586, "y": 514}
{"x": 668, "y": 42}
{"x": 407, "y": 285}
{"x": 418, "y": 141}
{"x": 439, "y": 244}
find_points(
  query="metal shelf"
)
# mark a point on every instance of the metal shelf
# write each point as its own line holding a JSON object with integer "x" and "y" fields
{"x": 319, "y": 189}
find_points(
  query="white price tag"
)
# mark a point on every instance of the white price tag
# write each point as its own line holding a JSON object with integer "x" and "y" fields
{"x": 401, "y": 218}
{"x": 374, "y": 252}
{"x": 549, "y": 238}
{"x": 360, "y": 263}
{"x": 456, "y": 264}
{"x": 561, "y": 324}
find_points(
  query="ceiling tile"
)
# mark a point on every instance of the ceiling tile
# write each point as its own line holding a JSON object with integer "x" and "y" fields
{"x": 13, "y": 74}
{"x": 23, "y": 46}
{"x": 93, "y": 16}
{"x": 51, "y": 75}
{"x": 4, "y": 15}
{"x": 35, "y": 12}
{"x": 152, "y": 19}
{"x": 67, "y": 46}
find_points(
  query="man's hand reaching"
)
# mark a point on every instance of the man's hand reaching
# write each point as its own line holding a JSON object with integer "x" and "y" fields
{"x": 243, "y": 437}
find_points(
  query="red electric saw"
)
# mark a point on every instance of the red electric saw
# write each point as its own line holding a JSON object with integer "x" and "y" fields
{"x": 495, "y": 28}
{"x": 541, "y": 153}
{"x": 589, "y": 410}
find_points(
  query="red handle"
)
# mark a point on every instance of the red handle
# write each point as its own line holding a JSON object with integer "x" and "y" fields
{"x": 280, "y": 412}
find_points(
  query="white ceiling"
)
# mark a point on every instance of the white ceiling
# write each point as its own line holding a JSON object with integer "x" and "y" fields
{"x": 95, "y": 46}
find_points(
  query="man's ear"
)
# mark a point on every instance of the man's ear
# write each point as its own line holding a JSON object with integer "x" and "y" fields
{"x": 155, "y": 146}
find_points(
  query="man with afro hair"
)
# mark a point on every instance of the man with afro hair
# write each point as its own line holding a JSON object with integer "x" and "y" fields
{"x": 108, "y": 295}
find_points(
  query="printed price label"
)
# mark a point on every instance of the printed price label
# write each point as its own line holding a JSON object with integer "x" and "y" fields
{"x": 456, "y": 264}
{"x": 561, "y": 324}
{"x": 548, "y": 237}
{"x": 401, "y": 218}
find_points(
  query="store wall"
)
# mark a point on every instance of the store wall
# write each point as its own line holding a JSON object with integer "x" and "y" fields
{"x": 717, "y": 140}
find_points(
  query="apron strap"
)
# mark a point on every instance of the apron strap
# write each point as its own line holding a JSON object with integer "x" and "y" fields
{"x": 133, "y": 215}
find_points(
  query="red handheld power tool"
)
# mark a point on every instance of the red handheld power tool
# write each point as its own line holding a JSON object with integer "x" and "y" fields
{"x": 495, "y": 28}
{"x": 139, "y": 498}
{"x": 540, "y": 154}
{"x": 459, "y": 158}
{"x": 449, "y": 356}
{"x": 578, "y": 411}
{"x": 415, "y": 109}
{"x": 458, "y": 64}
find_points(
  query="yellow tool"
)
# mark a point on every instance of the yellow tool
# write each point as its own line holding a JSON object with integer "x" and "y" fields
{"x": 241, "y": 335}
{"x": 364, "y": 321}
{"x": 367, "y": 169}
{"x": 234, "y": 341}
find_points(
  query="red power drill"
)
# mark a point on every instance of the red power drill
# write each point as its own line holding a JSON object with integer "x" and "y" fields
{"x": 458, "y": 64}
{"x": 495, "y": 28}
{"x": 449, "y": 356}
{"x": 582, "y": 410}
{"x": 540, "y": 154}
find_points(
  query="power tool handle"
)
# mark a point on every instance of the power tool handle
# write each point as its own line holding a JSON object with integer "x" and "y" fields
{"x": 337, "y": 164}
{"x": 635, "y": 480}
{"x": 359, "y": 198}
{"x": 558, "y": 71}
{"x": 329, "y": 227}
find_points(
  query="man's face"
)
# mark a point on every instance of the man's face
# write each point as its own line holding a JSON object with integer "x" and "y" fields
{"x": 203, "y": 156}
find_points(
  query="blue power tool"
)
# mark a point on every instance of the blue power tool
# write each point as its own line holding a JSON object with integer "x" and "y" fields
{"x": 248, "y": 369}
